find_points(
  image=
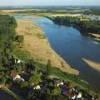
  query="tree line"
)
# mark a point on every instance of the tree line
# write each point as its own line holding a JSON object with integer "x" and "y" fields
{"x": 84, "y": 25}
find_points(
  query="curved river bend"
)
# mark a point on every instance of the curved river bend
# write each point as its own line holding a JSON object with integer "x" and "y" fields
{"x": 72, "y": 46}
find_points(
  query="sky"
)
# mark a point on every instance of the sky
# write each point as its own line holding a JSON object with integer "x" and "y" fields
{"x": 48, "y": 2}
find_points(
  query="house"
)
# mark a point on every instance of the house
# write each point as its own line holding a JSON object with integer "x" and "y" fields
{"x": 37, "y": 87}
{"x": 79, "y": 95}
{"x": 18, "y": 78}
{"x": 15, "y": 76}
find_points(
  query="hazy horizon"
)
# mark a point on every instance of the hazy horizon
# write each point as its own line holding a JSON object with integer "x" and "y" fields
{"x": 50, "y": 3}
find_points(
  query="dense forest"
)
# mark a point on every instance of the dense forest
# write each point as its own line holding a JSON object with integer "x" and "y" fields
{"x": 7, "y": 33}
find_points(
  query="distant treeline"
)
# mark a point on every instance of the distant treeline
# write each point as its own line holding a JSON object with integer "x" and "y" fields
{"x": 85, "y": 26}
{"x": 36, "y": 11}
{"x": 92, "y": 11}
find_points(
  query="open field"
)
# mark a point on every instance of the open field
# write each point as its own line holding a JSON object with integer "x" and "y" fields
{"x": 39, "y": 47}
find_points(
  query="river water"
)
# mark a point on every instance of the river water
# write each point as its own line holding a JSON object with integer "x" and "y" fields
{"x": 72, "y": 47}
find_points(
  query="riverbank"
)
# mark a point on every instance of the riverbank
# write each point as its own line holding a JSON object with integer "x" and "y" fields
{"x": 85, "y": 25}
{"x": 35, "y": 42}
{"x": 38, "y": 46}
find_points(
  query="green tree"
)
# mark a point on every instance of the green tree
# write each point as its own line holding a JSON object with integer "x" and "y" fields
{"x": 19, "y": 39}
{"x": 48, "y": 67}
{"x": 56, "y": 93}
{"x": 35, "y": 79}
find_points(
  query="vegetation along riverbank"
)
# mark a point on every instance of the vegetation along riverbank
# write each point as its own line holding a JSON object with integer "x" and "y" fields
{"x": 31, "y": 69}
{"x": 86, "y": 26}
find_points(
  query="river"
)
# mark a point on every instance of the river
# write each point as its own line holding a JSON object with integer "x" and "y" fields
{"x": 72, "y": 47}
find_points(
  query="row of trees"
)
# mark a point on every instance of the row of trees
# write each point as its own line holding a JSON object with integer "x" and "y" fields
{"x": 7, "y": 33}
{"x": 7, "y": 39}
{"x": 84, "y": 25}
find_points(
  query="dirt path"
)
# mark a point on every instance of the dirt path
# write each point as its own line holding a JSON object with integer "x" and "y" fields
{"x": 39, "y": 47}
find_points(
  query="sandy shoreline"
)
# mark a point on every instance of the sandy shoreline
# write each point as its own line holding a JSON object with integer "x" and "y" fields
{"x": 40, "y": 48}
{"x": 95, "y": 36}
{"x": 92, "y": 64}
